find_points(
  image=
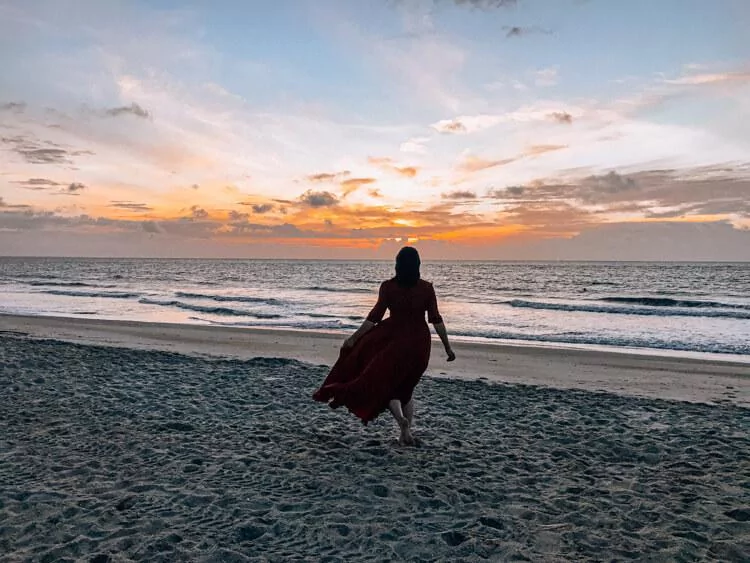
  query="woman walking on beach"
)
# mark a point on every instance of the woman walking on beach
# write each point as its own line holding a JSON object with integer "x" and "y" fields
{"x": 381, "y": 363}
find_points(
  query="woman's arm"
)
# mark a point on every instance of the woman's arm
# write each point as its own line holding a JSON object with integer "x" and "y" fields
{"x": 375, "y": 316}
{"x": 443, "y": 334}
{"x": 361, "y": 331}
{"x": 433, "y": 316}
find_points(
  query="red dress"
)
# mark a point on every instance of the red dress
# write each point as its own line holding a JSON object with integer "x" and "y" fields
{"x": 388, "y": 361}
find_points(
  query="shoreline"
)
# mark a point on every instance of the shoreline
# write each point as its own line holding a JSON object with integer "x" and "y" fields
{"x": 620, "y": 372}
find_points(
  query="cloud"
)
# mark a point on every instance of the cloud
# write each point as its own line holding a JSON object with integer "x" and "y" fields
{"x": 328, "y": 176}
{"x": 130, "y": 206}
{"x": 546, "y": 76}
{"x": 536, "y": 150}
{"x": 415, "y": 145}
{"x": 466, "y": 124}
{"x": 36, "y": 151}
{"x": 37, "y": 183}
{"x": 237, "y": 216}
{"x": 387, "y": 164}
{"x": 460, "y": 195}
{"x": 375, "y": 193}
{"x": 261, "y": 208}
{"x": 519, "y": 31}
{"x": 475, "y": 164}
{"x": 611, "y": 183}
{"x": 710, "y": 78}
{"x": 198, "y": 212}
{"x": 318, "y": 199}
{"x": 73, "y": 188}
{"x": 353, "y": 184}
{"x": 15, "y": 107}
{"x": 450, "y": 126}
{"x": 132, "y": 109}
{"x": 5, "y": 205}
{"x": 561, "y": 117}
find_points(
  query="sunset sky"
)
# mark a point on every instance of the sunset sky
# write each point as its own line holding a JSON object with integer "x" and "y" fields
{"x": 528, "y": 129}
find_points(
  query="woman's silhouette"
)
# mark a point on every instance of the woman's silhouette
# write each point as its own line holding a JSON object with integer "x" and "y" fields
{"x": 381, "y": 363}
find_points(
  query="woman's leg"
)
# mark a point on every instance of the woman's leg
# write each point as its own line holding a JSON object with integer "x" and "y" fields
{"x": 395, "y": 407}
{"x": 409, "y": 412}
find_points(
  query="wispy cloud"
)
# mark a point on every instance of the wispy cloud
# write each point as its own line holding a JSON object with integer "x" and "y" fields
{"x": 328, "y": 176}
{"x": 352, "y": 184}
{"x": 37, "y": 183}
{"x": 130, "y": 206}
{"x": 133, "y": 109}
{"x": 521, "y": 31}
{"x": 389, "y": 165}
{"x": 710, "y": 78}
{"x": 460, "y": 195}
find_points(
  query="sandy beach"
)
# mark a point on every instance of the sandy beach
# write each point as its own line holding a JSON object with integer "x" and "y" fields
{"x": 124, "y": 441}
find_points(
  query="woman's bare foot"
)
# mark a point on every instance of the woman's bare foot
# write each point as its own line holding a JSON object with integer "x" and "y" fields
{"x": 406, "y": 438}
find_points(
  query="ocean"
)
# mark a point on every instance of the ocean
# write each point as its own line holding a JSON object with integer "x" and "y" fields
{"x": 665, "y": 308}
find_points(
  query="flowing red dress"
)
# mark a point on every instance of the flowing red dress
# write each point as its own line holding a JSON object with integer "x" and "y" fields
{"x": 388, "y": 361}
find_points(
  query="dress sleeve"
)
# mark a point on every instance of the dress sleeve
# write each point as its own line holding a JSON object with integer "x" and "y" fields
{"x": 376, "y": 315}
{"x": 433, "y": 315}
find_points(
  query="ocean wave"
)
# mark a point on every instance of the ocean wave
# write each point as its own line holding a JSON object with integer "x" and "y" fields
{"x": 227, "y": 298}
{"x": 65, "y": 284}
{"x": 109, "y": 294}
{"x": 314, "y": 325}
{"x": 669, "y": 302}
{"x": 618, "y": 342}
{"x": 650, "y": 311}
{"x": 327, "y": 316}
{"x": 224, "y": 311}
{"x": 340, "y": 290}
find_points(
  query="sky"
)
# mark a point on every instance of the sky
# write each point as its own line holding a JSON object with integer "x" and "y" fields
{"x": 471, "y": 129}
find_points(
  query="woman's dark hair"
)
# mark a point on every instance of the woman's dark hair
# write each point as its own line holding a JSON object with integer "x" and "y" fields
{"x": 407, "y": 267}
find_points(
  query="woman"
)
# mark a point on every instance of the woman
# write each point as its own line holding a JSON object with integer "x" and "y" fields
{"x": 381, "y": 363}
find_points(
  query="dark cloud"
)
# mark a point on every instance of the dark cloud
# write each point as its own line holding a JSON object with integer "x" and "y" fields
{"x": 195, "y": 186}
{"x": 37, "y": 183}
{"x": 132, "y": 109}
{"x": 130, "y": 206}
{"x": 318, "y": 199}
{"x": 198, "y": 212}
{"x": 561, "y": 117}
{"x": 518, "y": 31}
{"x": 15, "y": 107}
{"x": 261, "y": 208}
{"x": 460, "y": 195}
{"x": 328, "y": 176}
{"x": 74, "y": 188}
{"x": 238, "y": 216}
{"x": 36, "y": 151}
{"x": 45, "y": 156}
{"x": 652, "y": 194}
{"x": 5, "y": 205}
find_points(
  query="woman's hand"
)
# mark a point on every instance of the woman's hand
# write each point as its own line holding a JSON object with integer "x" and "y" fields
{"x": 451, "y": 354}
